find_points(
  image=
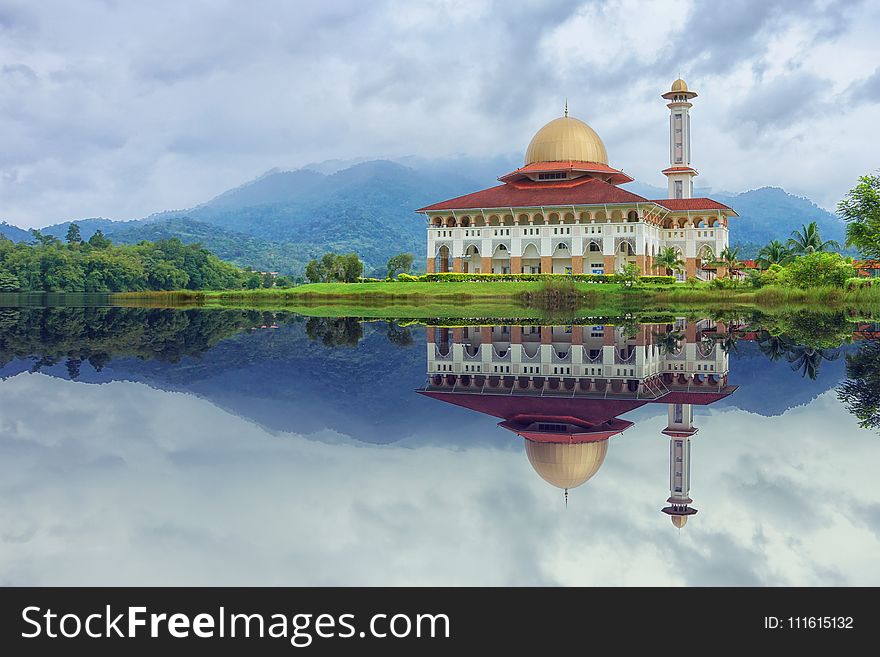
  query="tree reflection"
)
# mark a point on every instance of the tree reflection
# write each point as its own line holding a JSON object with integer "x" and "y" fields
{"x": 50, "y": 336}
{"x": 335, "y": 331}
{"x": 860, "y": 392}
{"x": 807, "y": 360}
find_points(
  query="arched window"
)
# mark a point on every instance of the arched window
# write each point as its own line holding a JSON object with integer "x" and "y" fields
{"x": 632, "y": 215}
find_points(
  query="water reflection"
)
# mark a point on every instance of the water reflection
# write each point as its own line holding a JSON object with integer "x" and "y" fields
{"x": 563, "y": 388}
{"x": 324, "y": 467}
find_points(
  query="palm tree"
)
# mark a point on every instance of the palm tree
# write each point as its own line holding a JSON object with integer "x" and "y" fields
{"x": 775, "y": 253}
{"x": 807, "y": 360}
{"x": 808, "y": 240}
{"x": 729, "y": 258}
{"x": 669, "y": 343}
{"x": 773, "y": 346}
{"x": 669, "y": 260}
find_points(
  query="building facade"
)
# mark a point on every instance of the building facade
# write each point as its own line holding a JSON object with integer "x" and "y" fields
{"x": 564, "y": 211}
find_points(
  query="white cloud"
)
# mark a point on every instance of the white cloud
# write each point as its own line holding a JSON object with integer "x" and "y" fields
{"x": 120, "y": 110}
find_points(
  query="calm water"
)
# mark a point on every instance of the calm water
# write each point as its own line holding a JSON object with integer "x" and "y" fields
{"x": 144, "y": 446}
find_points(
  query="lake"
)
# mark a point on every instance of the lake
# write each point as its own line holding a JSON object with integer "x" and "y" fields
{"x": 231, "y": 447}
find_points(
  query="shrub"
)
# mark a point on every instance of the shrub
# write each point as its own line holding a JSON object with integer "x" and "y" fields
{"x": 818, "y": 269}
{"x": 692, "y": 281}
{"x": 367, "y": 279}
{"x": 861, "y": 283}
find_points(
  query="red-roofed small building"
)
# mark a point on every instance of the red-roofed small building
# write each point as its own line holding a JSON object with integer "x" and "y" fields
{"x": 564, "y": 211}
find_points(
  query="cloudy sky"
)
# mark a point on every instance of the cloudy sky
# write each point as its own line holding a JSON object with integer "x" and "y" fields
{"x": 120, "y": 109}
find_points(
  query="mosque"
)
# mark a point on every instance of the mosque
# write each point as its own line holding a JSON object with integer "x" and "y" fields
{"x": 564, "y": 210}
{"x": 562, "y": 389}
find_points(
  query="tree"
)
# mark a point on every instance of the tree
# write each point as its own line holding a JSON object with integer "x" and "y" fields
{"x": 861, "y": 390}
{"x": 808, "y": 240}
{"x": 628, "y": 276}
{"x": 669, "y": 260}
{"x": 99, "y": 240}
{"x": 332, "y": 267}
{"x": 774, "y": 253}
{"x": 268, "y": 280}
{"x": 315, "y": 272}
{"x": 73, "y": 234}
{"x": 399, "y": 264}
{"x": 8, "y": 282}
{"x": 253, "y": 281}
{"x": 807, "y": 360}
{"x": 861, "y": 210}
{"x": 729, "y": 258}
{"x": 43, "y": 240}
{"x": 350, "y": 267}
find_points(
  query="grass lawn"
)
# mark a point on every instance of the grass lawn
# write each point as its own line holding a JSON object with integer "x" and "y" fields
{"x": 501, "y": 299}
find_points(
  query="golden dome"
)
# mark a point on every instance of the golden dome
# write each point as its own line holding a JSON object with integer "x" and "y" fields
{"x": 566, "y": 138}
{"x": 679, "y": 521}
{"x": 566, "y": 465}
{"x": 679, "y": 85}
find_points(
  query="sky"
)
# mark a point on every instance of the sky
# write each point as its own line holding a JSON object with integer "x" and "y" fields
{"x": 121, "y": 109}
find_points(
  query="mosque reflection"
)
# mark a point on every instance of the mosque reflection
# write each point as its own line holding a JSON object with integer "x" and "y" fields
{"x": 563, "y": 388}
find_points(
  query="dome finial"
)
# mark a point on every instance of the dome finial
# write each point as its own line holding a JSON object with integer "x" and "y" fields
{"x": 566, "y": 498}
{"x": 566, "y": 107}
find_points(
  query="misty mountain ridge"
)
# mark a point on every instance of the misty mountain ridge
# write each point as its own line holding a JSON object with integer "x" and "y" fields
{"x": 282, "y": 219}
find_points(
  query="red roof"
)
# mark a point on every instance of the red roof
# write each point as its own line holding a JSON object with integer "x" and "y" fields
{"x": 693, "y": 204}
{"x": 617, "y": 176}
{"x": 679, "y": 170}
{"x": 588, "y": 191}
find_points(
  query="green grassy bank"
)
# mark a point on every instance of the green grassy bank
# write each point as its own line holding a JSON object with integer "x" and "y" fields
{"x": 504, "y": 299}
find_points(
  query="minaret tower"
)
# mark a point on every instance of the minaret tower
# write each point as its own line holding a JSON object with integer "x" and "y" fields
{"x": 680, "y": 429}
{"x": 680, "y": 173}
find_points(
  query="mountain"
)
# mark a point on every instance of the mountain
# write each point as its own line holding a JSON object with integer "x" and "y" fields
{"x": 772, "y": 213}
{"x": 242, "y": 249}
{"x": 282, "y": 219}
{"x": 14, "y": 233}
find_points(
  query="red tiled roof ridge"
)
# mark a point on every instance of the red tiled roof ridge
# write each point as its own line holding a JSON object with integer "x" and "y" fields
{"x": 591, "y": 192}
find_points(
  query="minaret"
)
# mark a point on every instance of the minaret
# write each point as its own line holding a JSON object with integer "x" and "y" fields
{"x": 680, "y": 429}
{"x": 680, "y": 173}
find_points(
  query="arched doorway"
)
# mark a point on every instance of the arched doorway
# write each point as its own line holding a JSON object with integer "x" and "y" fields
{"x": 471, "y": 261}
{"x": 594, "y": 263}
{"x": 501, "y": 260}
{"x": 625, "y": 254}
{"x": 561, "y": 261}
{"x": 444, "y": 260}
{"x": 531, "y": 260}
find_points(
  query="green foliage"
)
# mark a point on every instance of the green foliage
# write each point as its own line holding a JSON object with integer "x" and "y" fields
{"x": 99, "y": 241}
{"x": 8, "y": 282}
{"x": 818, "y": 269}
{"x": 861, "y": 390}
{"x": 773, "y": 253}
{"x": 692, "y": 281}
{"x": 49, "y": 266}
{"x": 861, "y": 210}
{"x": 723, "y": 283}
{"x": 808, "y": 240}
{"x": 861, "y": 283}
{"x": 628, "y": 276}
{"x": 669, "y": 259}
{"x": 402, "y": 262}
{"x": 729, "y": 258}
{"x": 334, "y": 268}
{"x": 73, "y": 235}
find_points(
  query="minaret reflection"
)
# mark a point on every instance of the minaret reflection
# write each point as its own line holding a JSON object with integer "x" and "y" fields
{"x": 563, "y": 388}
